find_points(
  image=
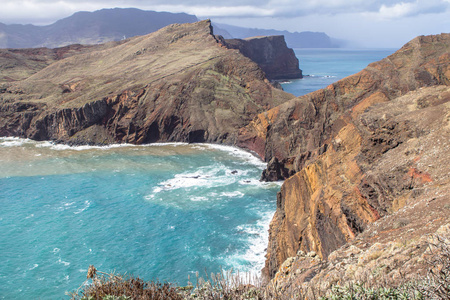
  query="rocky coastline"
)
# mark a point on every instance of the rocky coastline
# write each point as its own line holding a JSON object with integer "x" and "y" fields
{"x": 357, "y": 157}
{"x": 366, "y": 148}
{"x": 178, "y": 84}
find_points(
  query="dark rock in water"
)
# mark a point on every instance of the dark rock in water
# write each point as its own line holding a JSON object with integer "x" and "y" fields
{"x": 234, "y": 172}
{"x": 271, "y": 54}
{"x": 273, "y": 172}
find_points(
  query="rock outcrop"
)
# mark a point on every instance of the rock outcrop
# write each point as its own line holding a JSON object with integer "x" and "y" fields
{"x": 271, "y": 54}
{"x": 358, "y": 150}
{"x": 177, "y": 84}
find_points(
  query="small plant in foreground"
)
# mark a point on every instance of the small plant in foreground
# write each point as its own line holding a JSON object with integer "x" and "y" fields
{"x": 122, "y": 287}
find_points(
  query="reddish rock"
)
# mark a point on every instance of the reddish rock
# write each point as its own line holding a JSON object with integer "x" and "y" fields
{"x": 339, "y": 138}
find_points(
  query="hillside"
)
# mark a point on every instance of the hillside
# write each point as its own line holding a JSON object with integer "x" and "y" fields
{"x": 367, "y": 163}
{"x": 177, "y": 84}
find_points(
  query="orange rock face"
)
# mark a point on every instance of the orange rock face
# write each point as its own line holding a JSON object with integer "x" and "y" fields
{"x": 339, "y": 140}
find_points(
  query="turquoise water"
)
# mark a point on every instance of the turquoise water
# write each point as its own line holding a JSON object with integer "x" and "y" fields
{"x": 161, "y": 211}
{"x": 322, "y": 67}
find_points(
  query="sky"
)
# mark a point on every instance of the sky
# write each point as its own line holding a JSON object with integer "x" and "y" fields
{"x": 368, "y": 23}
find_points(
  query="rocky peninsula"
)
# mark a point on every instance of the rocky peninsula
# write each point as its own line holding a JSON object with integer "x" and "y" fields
{"x": 177, "y": 84}
{"x": 365, "y": 161}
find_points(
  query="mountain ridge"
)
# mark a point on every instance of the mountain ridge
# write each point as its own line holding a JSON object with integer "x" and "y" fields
{"x": 116, "y": 24}
{"x": 349, "y": 152}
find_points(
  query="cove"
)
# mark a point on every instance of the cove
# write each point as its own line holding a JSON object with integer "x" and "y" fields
{"x": 161, "y": 211}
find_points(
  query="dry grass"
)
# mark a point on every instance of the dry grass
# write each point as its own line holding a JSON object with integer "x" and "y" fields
{"x": 226, "y": 285}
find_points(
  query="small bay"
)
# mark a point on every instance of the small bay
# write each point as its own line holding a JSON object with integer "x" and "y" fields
{"x": 161, "y": 211}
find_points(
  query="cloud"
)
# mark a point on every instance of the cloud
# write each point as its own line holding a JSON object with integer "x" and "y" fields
{"x": 219, "y": 11}
{"x": 42, "y": 11}
{"x": 410, "y": 9}
{"x": 47, "y": 11}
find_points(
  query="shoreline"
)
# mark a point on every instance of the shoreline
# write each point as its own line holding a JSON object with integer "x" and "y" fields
{"x": 242, "y": 154}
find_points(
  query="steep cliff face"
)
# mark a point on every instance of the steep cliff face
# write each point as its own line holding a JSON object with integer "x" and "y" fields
{"x": 349, "y": 151}
{"x": 177, "y": 84}
{"x": 271, "y": 54}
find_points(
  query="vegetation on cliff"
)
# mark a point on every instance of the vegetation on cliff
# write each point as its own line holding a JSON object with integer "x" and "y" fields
{"x": 434, "y": 284}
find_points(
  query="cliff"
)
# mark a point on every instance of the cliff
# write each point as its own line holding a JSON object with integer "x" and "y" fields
{"x": 365, "y": 160}
{"x": 271, "y": 54}
{"x": 369, "y": 146}
{"x": 177, "y": 84}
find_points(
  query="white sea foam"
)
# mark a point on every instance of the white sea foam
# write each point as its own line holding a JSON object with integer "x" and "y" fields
{"x": 260, "y": 184}
{"x": 236, "y": 172}
{"x": 320, "y": 76}
{"x": 66, "y": 263}
{"x": 199, "y": 198}
{"x": 235, "y": 194}
{"x": 203, "y": 177}
{"x": 87, "y": 204}
{"x": 33, "y": 267}
{"x": 236, "y": 152}
{"x": 13, "y": 141}
{"x": 106, "y": 147}
{"x": 165, "y": 144}
{"x": 257, "y": 236}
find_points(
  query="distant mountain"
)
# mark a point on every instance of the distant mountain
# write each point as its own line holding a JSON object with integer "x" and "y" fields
{"x": 305, "y": 39}
{"x": 119, "y": 23}
{"x": 90, "y": 28}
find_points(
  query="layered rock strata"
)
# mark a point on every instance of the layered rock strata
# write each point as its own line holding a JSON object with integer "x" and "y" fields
{"x": 356, "y": 151}
{"x": 177, "y": 84}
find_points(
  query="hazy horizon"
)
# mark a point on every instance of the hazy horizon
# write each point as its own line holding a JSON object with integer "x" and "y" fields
{"x": 370, "y": 24}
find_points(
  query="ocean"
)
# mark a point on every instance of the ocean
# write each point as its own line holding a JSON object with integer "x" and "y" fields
{"x": 160, "y": 211}
{"x": 322, "y": 67}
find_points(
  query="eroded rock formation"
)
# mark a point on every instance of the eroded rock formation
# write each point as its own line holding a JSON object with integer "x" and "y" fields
{"x": 354, "y": 152}
{"x": 366, "y": 160}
